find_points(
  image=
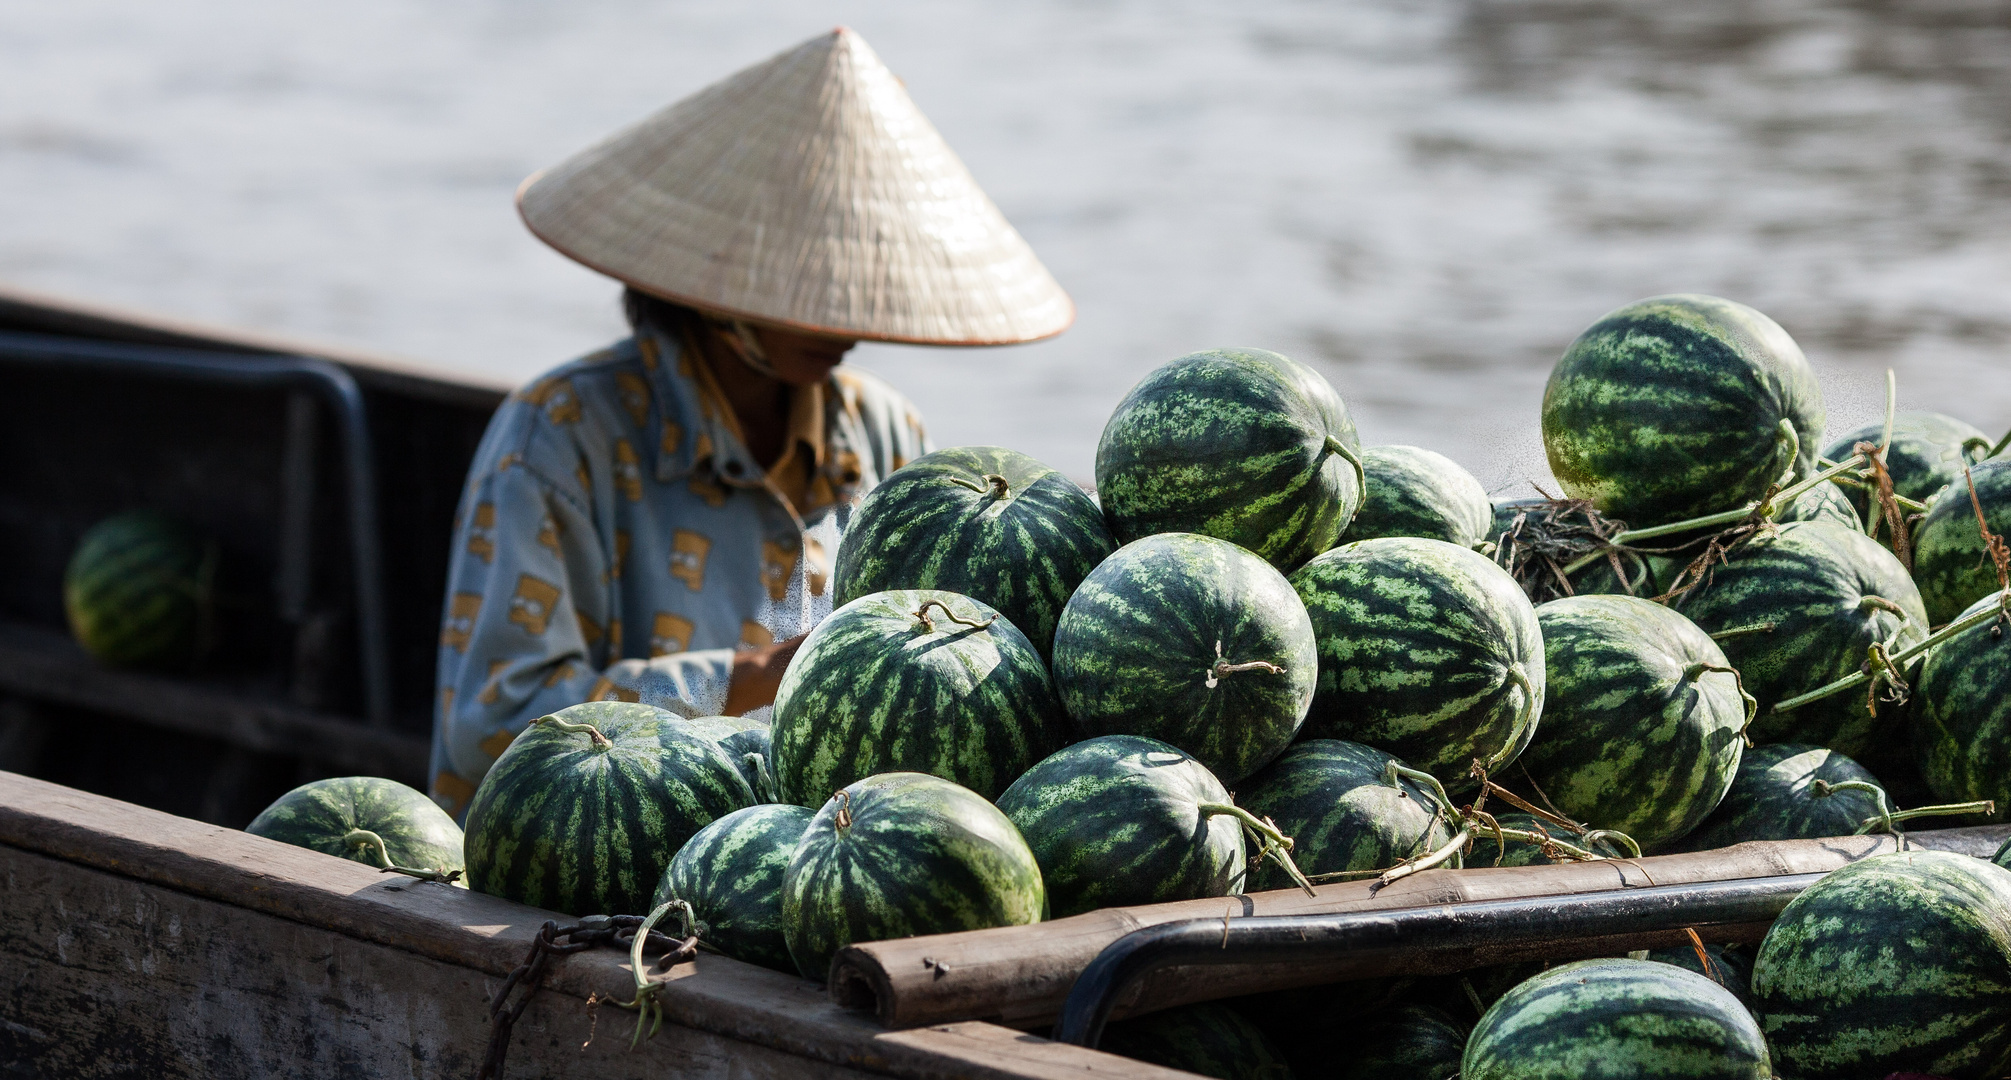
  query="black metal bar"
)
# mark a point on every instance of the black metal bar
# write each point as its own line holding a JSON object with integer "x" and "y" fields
{"x": 1308, "y": 939}
{"x": 336, "y": 387}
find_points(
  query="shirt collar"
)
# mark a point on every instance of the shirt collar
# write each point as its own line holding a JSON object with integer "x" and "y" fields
{"x": 699, "y": 429}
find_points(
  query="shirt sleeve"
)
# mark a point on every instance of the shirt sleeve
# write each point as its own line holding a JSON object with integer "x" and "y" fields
{"x": 529, "y": 630}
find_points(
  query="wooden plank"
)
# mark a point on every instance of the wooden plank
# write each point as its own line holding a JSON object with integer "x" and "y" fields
{"x": 106, "y": 976}
{"x": 1020, "y": 975}
{"x": 485, "y": 937}
{"x": 43, "y": 665}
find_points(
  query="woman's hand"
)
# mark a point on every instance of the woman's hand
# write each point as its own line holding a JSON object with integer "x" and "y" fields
{"x": 757, "y": 674}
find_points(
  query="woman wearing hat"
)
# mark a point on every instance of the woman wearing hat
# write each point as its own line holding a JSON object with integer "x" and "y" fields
{"x": 656, "y": 522}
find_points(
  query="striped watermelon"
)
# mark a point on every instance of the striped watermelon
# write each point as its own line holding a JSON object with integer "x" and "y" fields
{"x": 915, "y": 679}
{"x": 1617, "y": 1018}
{"x": 1828, "y": 593}
{"x": 1948, "y": 555}
{"x": 1927, "y": 454}
{"x": 730, "y": 872}
{"x": 1408, "y": 1040}
{"x": 1523, "y": 853}
{"x": 140, "y": 591}
{"x": 1671, "y": 408}
{"x": 1416, "y": 492}
{"x": 1774, "y": 797}
{"x": 405, "y": 827}
{"x": 984, "y": 521}
{"x": 901, "y": 854}
{"x": 1731, "y": 967}
{"x": 2003, "y": 855}
{"x": 1240, "y": 444}
{"x": 1123, "y": 820}
{"x": 1427, "y": 650}
{"x": 583, "y": 812}
{"x": 1962, "y": 714}
{"x": 1641, "y": 718}
{"x": 1193, "y": 641}
{"x": 1208, "y": 1038}
{"x": 750, "y": 750}
{"x": 1343, "y": 809}
{"x": 1899, "y": 963}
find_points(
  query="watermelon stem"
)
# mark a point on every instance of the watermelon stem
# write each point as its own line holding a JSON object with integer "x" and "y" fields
{"x": 1224, "y": 668}
{"x": 1882, "y": 604}
{"x": 1741, "y": 631}
{"x": 993, "y": 482}
{"x": 1697, "y": 670}
{"x": 1766, "y": 507}
{"x": 648, "y": 980}
{"x": 1271, "y": 842}
{"x": 922, "y": 616}
{"x": 760, "y": 768}
{"x": 1361, "y": 474}
{"x": 1980, "y": 806}
{"x": 1897, "y": 660}
{"x": 842, "y": 820}
{"x": 1999, "y": 446}
{"x": 600, "y": 741}
{"x": 1426, "y": 861}
{"x": 1523, "y": 719}
{"x": 364, "y": 838}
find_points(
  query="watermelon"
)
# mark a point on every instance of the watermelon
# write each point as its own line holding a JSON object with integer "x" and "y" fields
{"x": 1344, "y": 809}
{"x": 1416, "y": 492}
{"x": 1775, "y": 797}
{"x": 1617, "y": 1018}
{"x": 403, "y": 827}
{"x": 1828, "y": 593}
{"x": 583, "y": 812}
{"x": 1240, "y": 444}
{"x": 901, "y": 854}
{"x": 1408, "y": 1040}
{"x": 1122, "y": 820}
{"x": 1898, "y": 963}
{"x": 913, "y": 680}
{"x": 1303, "y": 1022}
{"x": 1641, "y": 718}
{"x": 750, "y": 750}
{"x": 1193, "y": 641}
{"x": 1674, "y": 407}
{"x": 2003, "y": 855}
{"x": 1928, "y": 453}
{"x": 984, "y": 521}
{"x": 140, "y": 591}
{"x": 1962, "y": 713}
{"x": 1948, "y": 554}
{"x": 1520, "y": 852}
{"x": 730, "y": 872}
{"x": 1208, "y": 1038}
{"x": 1731, "y": 967}
{"x": 1427, "y": 650}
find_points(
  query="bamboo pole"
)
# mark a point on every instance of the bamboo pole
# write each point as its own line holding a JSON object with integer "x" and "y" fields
{"x": 1020, "y": 975}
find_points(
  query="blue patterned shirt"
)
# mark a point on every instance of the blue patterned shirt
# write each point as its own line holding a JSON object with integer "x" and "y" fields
{"x": 617, "y": 540}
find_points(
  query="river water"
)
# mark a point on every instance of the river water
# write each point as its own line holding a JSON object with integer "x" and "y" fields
{"x": 1427, "y": 199}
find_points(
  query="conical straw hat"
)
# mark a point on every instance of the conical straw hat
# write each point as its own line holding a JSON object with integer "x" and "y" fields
{"x": 806, "y": 191}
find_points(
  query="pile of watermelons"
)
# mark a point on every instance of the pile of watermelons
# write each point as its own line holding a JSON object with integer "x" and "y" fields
{"x": 1265, "y": 656}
